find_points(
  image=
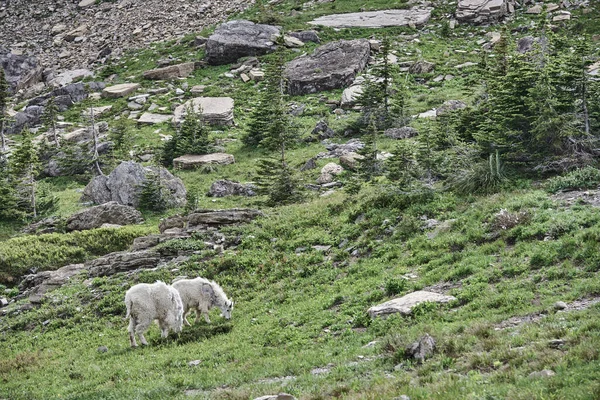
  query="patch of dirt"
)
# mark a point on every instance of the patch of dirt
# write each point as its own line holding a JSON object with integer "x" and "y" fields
{"x": 589, "y": 197}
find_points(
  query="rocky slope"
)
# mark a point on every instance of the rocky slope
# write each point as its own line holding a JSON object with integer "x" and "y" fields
{"x": 75, "y": 34}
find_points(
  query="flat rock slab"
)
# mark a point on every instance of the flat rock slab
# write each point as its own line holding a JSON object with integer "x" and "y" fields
{"x": 190, "y": 161}
{"x": 404, "y": 305}
{"x": 151, "y": 119}
{"x": 171, "y": 72}
{"x": 236, "y": 39}
{"x": 37, "y": 285}
{"x": 479, "y": 11}
{"x": 122, "y": 90}
{"x": 97, "y": 111}
{"x": 331, "y": 66}
{"x": 214, "y": 110}
{"x": 376, "y": 19}
{"x": 221, "y": 217}
{"x": 107, "y": 213}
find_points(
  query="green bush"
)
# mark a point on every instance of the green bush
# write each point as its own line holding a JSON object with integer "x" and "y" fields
{"x": 579, "y": 179}
{"x": 52, "y": 251}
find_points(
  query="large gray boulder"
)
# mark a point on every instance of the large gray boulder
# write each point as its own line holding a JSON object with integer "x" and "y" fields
{"x": 224, "y": 188}
{"x": 213, "y": 110}
{"x": 200, "y": 219}
{"x": 37, "y": 285}
{"x": 20, "y": 71}
{"x": 66, "y": 96}
{"x": 107, "y": 213}
{"x": 124, "y": 183}
{"x": 122, "y": 262}
{"x": 235, "y": 39}
{"x": 191, "y": 161}
{"x": 30, "y": 117}
{"x": 482, "y": 11}
{"x": 171, "y": 71}
{"x": 331, "y": 66}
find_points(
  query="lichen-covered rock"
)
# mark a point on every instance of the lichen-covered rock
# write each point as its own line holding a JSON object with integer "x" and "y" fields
{"x": 20, "y": 71}
{"x": 122, "y": 262}
{"x": 107, "y": 213}
{"x": 404, "y": 305}
{"x": 235, "y": 39}
{"x": 213, "y": 110}
{"x": 480, "y": 11}
{"x": 331, "y": 66}
{"x": 376, "y": 19}
{"x": 124, "y": 183}
{"x": 224, "y": 188}
{"x": 171, "y": 71}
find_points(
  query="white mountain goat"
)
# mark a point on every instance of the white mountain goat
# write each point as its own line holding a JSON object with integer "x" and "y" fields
{"x": 201, "y": 295}
{"x": 148, "y": 302}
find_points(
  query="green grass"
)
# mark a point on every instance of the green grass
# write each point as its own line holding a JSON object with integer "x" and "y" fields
{"x": 297, "y": 308}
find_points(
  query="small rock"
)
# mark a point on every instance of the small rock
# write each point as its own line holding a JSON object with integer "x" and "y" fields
{"x": 560, "y": 305}
{"x": 421, "y": 349}
{"x": 546, "y": 373}
{"x": 3, "y": 302}
{"x": 194, "y": 363}
{"x": 102, "y": 349}
{"x": 556, "y": 343}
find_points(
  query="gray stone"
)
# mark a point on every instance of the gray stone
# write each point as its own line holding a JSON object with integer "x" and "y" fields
{"x": 235, "y": 39}
{"x": 122, "y": 262}
{"x": 20, "y": 71}
{"x": 331, "y": 66}
{"x": 201, "y": 218}
{"x": 223, "y": 188}
{"x": 102, "y": 349}
{"x": 280, "y": 396}
{"x": 332, "y": 168}
{"x": 190, "y": 161}
{"x": 351, "y": 95}
{"x": 421, "y": 349}
{"x": 376, "y": 19}
{"x": 323, "y": 131}
{"x": 214, "y": 110}
{"x": 292, "y": 42}
{"x": 405, "y": 304}
{"x": 171, "y": 72}
{"x": 37, "y": 285}
{"x": 107, "y": 213}
{"x": 124, "y": 183}
{"x": 350, "y": 160}
{"x": 401, "y": 133}
{"x": 67, "y": 77}
{"x": 306, "y": 36}
{"x": 421, "y": 67}
{"x": 152, "y": 119}
{"x": 3, "y": 302}
{"x": 122, "y": 90}
{"x": 30, "y": 117}
{"x": 449, "y": 106}
{"x": 560, "y": 305}
{"x": 546, "y": 373}
{"x": 480, "y": 11}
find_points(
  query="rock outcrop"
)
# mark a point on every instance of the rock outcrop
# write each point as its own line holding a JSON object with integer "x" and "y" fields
{"x": 200, "y": 219}
{"x": 331, "y": 66}
{"x": 107, "y": 213}
{"x": 171, "y": 71}
{"x": 235, "y": 39}
{"x": 122, "y": 262}
{"x": 20, "y": 71}
{"x": 224, "y": 188}
{"x": 214, "y": 110}
{"x": 124, "y": 183}
{"x": 412, "y": 17}
{"x": 482, "y": 11}
{"x": 37, "y": 285}
{"x": 191, "y": 161}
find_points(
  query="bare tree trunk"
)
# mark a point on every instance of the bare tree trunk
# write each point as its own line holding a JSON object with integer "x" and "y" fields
{"x": 96, "y": 156}
{"x": 2, "y": 137}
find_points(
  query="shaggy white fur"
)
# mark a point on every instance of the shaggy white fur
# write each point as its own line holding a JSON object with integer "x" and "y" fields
{"x": 201, "y": 295}
{"x": 148, "y": 302}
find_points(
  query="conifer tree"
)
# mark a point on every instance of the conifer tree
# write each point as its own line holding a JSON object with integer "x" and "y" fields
{"x": 24, "y": 168}
{"x": 95, "y": 155}
{"x": 120, "y": 135}
{"x": 153, "y": 193}
{"x": 193, "y": 134}
{"x": 369, "y": 166}
{"x": 49, "y": 119}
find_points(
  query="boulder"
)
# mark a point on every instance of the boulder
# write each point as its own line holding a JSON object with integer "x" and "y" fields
{"x": 124, "y": 183}
{"x": 421, "y": 349}
{"x": 122, "y": 262}
{"x": 323, "y": 131}
{"x": 235, "y": 39}
{"x": 171, "y": 72}
{"x": 122, "y": 90}
{"x": 190, "y": 161}
{"x": 331, "y": 66}
{"x": 482, "y": 11}
{"x": 280, "y": 396}
{"x": 336, "y": 150}
{"x": 449, "y": 106}
{"x": 404, "y": 305}
{"x": 306, "y": 36}
{"x": 66, "y": 96}
{"x": 85, "y": 134}
{"x": 152, "y": 119}
{"x": 376, "y": 19}
{"x": 401, "y": 133}
{"x": 332, "y": 168}
{"x": 80, "y": 31}
{"x": 223, "y": 188}
{"x": 37, "y": 285}
{"x": 351, "y": 95}
{"x": 66, "y": 77}
{"x": 292, "y": 42}
{"x": 350, "y": 160}
{"x": 30, "y": 117}
{"x": 107, "y": 213}
{"x": 421, "y": 67}
{"x": 20, "y": 71}
{"x": 201, "y": 218}
{"x": 214, "y": 110}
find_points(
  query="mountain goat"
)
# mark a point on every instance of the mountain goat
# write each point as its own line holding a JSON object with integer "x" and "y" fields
{"x": 148, "y": 302}
{"x": 201, "y": 295}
